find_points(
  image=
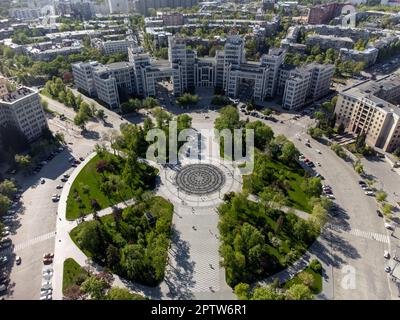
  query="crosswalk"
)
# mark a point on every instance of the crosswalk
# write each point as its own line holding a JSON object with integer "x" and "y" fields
{"x": 360, "y": 233}
{"x": 31, "y": 242}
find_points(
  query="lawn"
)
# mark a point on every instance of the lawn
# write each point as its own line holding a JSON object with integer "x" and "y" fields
{"x": 138, "y": 245}
{"x": 296, "y": 197}
{"x": 315, "y": 288}
{"x": 88, "y": 187}
{"x": 73, "y": 273}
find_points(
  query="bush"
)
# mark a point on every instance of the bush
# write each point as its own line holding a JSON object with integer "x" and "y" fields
{"x": 220, "y": 100}
{"x": 316, "y": 265}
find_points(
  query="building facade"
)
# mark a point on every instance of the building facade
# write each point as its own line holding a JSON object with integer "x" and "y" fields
{"x": 228, "y": 72}
{"x": 22, "y": 109}
{"x": 372, "y": 107}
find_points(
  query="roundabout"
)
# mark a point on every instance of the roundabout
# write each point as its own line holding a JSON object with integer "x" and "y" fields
{"x": 200, "y": 179}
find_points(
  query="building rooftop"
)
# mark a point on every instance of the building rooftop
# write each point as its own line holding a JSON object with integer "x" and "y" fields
{"x": 17, "y": 95}
{"x": 375, "y": 91}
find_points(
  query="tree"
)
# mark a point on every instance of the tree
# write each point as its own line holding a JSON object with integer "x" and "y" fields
{"x": 187, "y": 99}
{"x": 92, "y": 238}
{"x": 94, "y": 287}
{"x": 299, "y": 292}
{"x": 8, "y": 188}
{"x": 81, "y": 119}
{"x": 319, "y": 216}
{"x": 242, "y": 291}
{"x": 112, "y": 257}
{"x": 228, "y": 119}
{"x": 381, "y": 195}
{"x": 60, "y": 137}
{"x": 150, "y": 103}
{"x": 5, "y": 204}
{"x": 306, "y": 278}
{"x": 289, "y": 153}
{"x": 262, "y": 134}
{"x": 100, "y": 114}
{"x": 23, "y": 162}
{"x": 341, "y": 128}
{"x": 387, "y": 209}
{"x": 116, "y": 293}
{"x": 312, "y": 186}
{"x": 162, "y": 116}
{"x": 315, "y": 133}
{"x": 266, "y": 293}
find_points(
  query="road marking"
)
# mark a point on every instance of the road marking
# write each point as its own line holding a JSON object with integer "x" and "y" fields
{"x": 34, "y": 241}
{"x": 362, "y": 234}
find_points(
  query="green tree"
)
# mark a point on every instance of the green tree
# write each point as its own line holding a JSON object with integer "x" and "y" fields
{"x": 5, "y": 204}
{"x": 8, "y": 188}
{"x": 81, "y": 119}
{"x": 299, "y": 292}
{"x": 263, "y": 134}
{"x": 266, "y": 293}
{"x": 116, "y": 293}
{"x": 94, "y": 287}
{"x": 23, "y": 162}
{"x": 242, "y": 291}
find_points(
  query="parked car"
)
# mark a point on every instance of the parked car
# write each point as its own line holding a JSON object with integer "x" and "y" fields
{"x": 3, "y": 288}
{"x": 18, "y": 260}
{"x": 379, "y": 213}
{"x": 369, "y": 193}
{"x": 386, "y": 254}
{"x": 388, "y": 269}
{"x": 388, "y": 226}
{"x": 3, "y": 260}
{"x": 59, "y": 186}
{"x": 42, "y": 181}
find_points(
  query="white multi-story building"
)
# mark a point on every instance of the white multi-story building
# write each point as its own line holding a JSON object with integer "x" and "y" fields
{"x": 83, "y": 76}
{"x": 228, "y": 72}
{"x": 116, "y": 46}
{"x": 299, "y": 84}
{"x": 22, "y": 109}
{"x": 372, "y": 107}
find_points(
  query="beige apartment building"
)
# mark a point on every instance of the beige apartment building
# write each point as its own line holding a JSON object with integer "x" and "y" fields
{"x": 372, "y": 107}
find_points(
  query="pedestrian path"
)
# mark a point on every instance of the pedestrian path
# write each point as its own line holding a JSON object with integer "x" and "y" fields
{"x": 360, "y": 233}
{"x": 31, "y": 242}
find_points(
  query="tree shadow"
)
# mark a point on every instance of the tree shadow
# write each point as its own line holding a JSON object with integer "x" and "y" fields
{"x": 179, "y": 278}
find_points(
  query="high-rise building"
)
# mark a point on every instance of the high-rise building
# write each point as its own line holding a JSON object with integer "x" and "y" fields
{"x": 372, "y": 107}
{"x": 118, "y": 6}
{"x": 22, "y": 109}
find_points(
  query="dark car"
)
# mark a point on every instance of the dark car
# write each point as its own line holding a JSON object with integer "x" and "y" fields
{"x": 379, "y": 213}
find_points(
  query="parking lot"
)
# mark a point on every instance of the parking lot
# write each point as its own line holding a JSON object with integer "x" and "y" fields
{"x": 32, "y": 230}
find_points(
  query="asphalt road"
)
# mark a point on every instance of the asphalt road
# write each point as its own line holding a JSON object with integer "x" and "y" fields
{"x": 353, "y": 249}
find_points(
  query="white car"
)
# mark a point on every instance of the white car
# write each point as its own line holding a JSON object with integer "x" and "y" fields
{"x": 369, "y": 193}
{"x": 318, "y": 151}
{"x": 388, "y": 226}
{"x": 42, "y": 181}
{"x": 318, "y": 164}
{"x": 388, "y": 269}
{"x": 386, "y": 254}
{"x": 47, "y": 297}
